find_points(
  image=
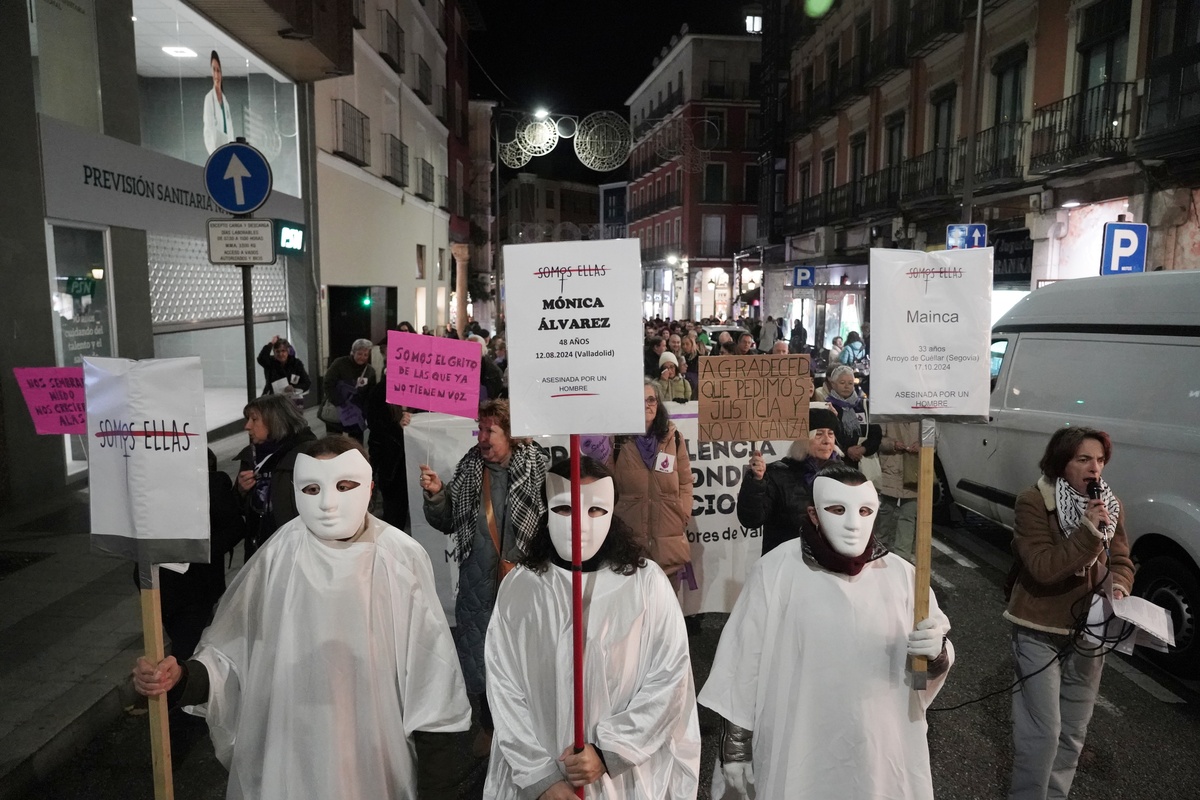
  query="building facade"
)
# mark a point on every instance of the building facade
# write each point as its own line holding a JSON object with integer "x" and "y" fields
{"x": 113, "y": 108}
{"x": 1082, "y": 114}
{"x": 382, "y": 176}
{"x": 694, "y": 179}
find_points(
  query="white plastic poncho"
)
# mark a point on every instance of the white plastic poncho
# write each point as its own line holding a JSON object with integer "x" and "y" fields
{"x": 815, "y": 664}
{"x": 640, "y": 700}
{"x": 323, "y": 659}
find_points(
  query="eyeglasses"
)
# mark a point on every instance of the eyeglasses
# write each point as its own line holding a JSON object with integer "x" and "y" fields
{"x": 651, "y": 401}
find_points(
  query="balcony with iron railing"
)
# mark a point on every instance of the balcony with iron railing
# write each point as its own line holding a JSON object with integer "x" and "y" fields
{"x": 810, "y": 111}
{"x": 658, "y": 113}
{"x": 933, "y": 175}
{"x": 659, "y": 252}
{"x": 1095, "y": 125}
{"x": 351, "y": 133}
{"x": 425, "y": 183}
{"x": 391, "y": 42}
{"x": 395, "y": 160}
{"x": 888, "y": 56}
{"x": 424, "y": 87}
{"x": 358, "y": 13}
{"x": 1170, "y": 115}
{"x": 1000, "y": 156}
{"x": 932, "y": 22}
{"x": 650, "y": 207}
{"x": 729, "y": 90}
{"x": 881, "y": 191}
{"x": 850, "y": 82}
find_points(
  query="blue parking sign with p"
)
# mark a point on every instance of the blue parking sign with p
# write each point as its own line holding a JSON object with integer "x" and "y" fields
{"x": 803, "y": 276}
{"x": 1124, "y": 248}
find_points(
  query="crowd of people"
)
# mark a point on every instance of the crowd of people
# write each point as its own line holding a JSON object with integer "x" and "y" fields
{"x": 333, "y": 626}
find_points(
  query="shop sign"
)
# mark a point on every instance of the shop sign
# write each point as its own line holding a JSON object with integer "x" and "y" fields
{"x": 1014, "y": 256}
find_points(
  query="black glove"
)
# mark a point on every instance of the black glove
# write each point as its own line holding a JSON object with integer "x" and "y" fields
{"x": 680, "y": 400}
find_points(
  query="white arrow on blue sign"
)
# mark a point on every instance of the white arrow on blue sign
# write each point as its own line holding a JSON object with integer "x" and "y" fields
{"x": 963, "y": 237}
{"x": 238, "y": 178}
{"x": 1124, "y": 248}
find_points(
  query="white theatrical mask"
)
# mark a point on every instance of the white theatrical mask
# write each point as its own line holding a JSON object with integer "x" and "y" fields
{"x": 598, "y": 499}
{"x": 846, "y": 513}
{"x": 332, "y": 494}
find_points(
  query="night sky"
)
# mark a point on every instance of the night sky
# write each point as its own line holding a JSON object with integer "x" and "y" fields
{"x": 579, "y": 56}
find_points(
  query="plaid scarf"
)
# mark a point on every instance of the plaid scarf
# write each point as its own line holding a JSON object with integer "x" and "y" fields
{"x": 526, "y": 498}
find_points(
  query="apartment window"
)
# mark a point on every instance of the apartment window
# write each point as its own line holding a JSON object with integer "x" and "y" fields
{"x": 942, "y": 116}
{"x": 716, "y": 75}
{"x": 714, "y": 183}
{"x": 804, "y": 181}
{"x": 1009, "y": 73}
{"x": 828, "y": 169}
{"x": 893, "y": 153}
{"x": 712, "y": 237}
{"x": 714, "y": 130}
{"x": 1103, "y": 43}
{"x": 753, "y": 128}
{"x": 677, "y": 228}
{"x": 420, "y": 262}
{"x": 753, "y": 23}
{"x": 549, "y": 198}
{"x": 750, "y": 183}
{"x": 441, "y": 264}
{"x": 833, "y": 55}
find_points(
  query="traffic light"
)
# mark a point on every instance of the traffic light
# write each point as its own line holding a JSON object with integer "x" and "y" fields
{"x": 366, "y": 301}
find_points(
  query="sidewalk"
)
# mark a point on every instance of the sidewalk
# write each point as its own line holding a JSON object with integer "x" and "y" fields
{"x": 70, "y": 631}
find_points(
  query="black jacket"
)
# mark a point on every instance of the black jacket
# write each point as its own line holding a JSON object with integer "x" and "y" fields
{"x": 262, "y": 523}
{"x": 777, "y": 503}
{"x": 274, "y": 369}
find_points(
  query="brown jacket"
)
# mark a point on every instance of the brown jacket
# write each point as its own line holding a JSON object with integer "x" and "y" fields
{"x": 656, "y": 505}
{"x": 1048, "y": 594}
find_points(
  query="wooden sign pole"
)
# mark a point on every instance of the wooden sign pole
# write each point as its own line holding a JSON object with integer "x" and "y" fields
{"x": 922, "y": 545}
{"x": 160, "y": 731}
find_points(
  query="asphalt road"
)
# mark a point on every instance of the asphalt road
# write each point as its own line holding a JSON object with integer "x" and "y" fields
{"x": 1144, "y": 740}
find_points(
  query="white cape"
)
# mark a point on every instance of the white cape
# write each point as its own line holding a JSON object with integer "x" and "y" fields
{"x": 323, "y": 660}
{"x": 640, "y": 701}
{"x": 815, "y": 664}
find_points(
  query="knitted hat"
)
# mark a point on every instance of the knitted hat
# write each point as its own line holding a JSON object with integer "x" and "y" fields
{"x": 819, "y": 416}
{"x": 668, "y": 358}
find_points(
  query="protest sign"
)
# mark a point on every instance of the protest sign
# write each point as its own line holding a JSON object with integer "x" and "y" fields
{"x": 54, "y": 396}
{"x": 754, "y": 398}
{"x": 433, "y": 373}
{"x": 148, "y": 460}
{"x": 930, "y": 340}
{"x": 723, "y": 551}
{"x": 574, "y": 329}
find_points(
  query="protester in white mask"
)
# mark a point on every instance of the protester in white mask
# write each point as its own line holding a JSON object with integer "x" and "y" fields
{"x": 334, "y": 630}
{"x": 641, "y": 728}
{"x": 812, "y": 675}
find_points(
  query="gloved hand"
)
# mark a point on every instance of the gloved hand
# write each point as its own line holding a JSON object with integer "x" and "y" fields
{"x": 926, "y": 640}
{"x": 739, "y": 777}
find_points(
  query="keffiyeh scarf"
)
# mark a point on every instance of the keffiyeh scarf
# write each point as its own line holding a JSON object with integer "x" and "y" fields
{"x": 526, "y": 498}
{"x": 1070, "y": 506}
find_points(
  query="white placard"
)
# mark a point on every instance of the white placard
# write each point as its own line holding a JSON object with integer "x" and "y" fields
{"x": 931, "y": 333}
{"x": 147, "y": 458}
{"x": 574, "y": 327}
{"x": 723, "y": 552}
{"x": 241, "y": 241}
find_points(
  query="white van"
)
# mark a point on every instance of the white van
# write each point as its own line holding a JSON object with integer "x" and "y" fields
{"x": 1117, "y": 353}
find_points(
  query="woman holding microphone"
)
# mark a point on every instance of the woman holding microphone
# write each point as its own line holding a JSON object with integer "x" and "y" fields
{"x": 1070, "y": 544}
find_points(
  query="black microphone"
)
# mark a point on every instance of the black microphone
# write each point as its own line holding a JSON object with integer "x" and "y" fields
{"x": 1094, "y": 492}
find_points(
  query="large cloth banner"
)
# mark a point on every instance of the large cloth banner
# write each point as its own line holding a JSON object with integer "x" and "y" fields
{"x": 433, "y": 373}
{"x": 574, "y": 322}
{"x": 147, "y": 459}
{"x": 723, "y": 551}
{"x": 930, "y": 339}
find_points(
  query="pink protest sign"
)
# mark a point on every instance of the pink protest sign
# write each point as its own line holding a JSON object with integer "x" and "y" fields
{"x": 55, "y": 398}
{"x": 433, "y": 373}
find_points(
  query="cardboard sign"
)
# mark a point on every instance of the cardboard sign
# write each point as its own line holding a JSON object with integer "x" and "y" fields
{"x": 147, "y": 458}
{"x": 433, "y": 373}
{"x": 574, "y": 324}
{"x": 54, "y": 396}
{"x": 930, "y": 339}
{"x": 754, "y": 398}
{"x": 723, "y": 551}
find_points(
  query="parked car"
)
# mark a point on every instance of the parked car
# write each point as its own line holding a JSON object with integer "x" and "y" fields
{"x": 1119, "y": 353}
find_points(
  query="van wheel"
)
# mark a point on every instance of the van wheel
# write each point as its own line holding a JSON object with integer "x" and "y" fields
{"x": 1166, "y": 582}
{"x": 943, "y": 503}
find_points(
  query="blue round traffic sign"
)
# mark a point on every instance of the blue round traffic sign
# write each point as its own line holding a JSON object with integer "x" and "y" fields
{"x": 238, "y": 178}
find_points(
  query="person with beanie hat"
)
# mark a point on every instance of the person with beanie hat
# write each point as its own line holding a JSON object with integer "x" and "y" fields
{"x": 774, "y": 496}
{"x": 671, "y": 384}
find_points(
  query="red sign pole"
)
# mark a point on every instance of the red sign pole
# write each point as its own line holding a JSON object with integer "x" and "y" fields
{"x": 577, "y": 594}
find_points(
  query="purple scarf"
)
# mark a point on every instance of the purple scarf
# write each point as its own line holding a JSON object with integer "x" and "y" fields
{"x": 648, "y": 447}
